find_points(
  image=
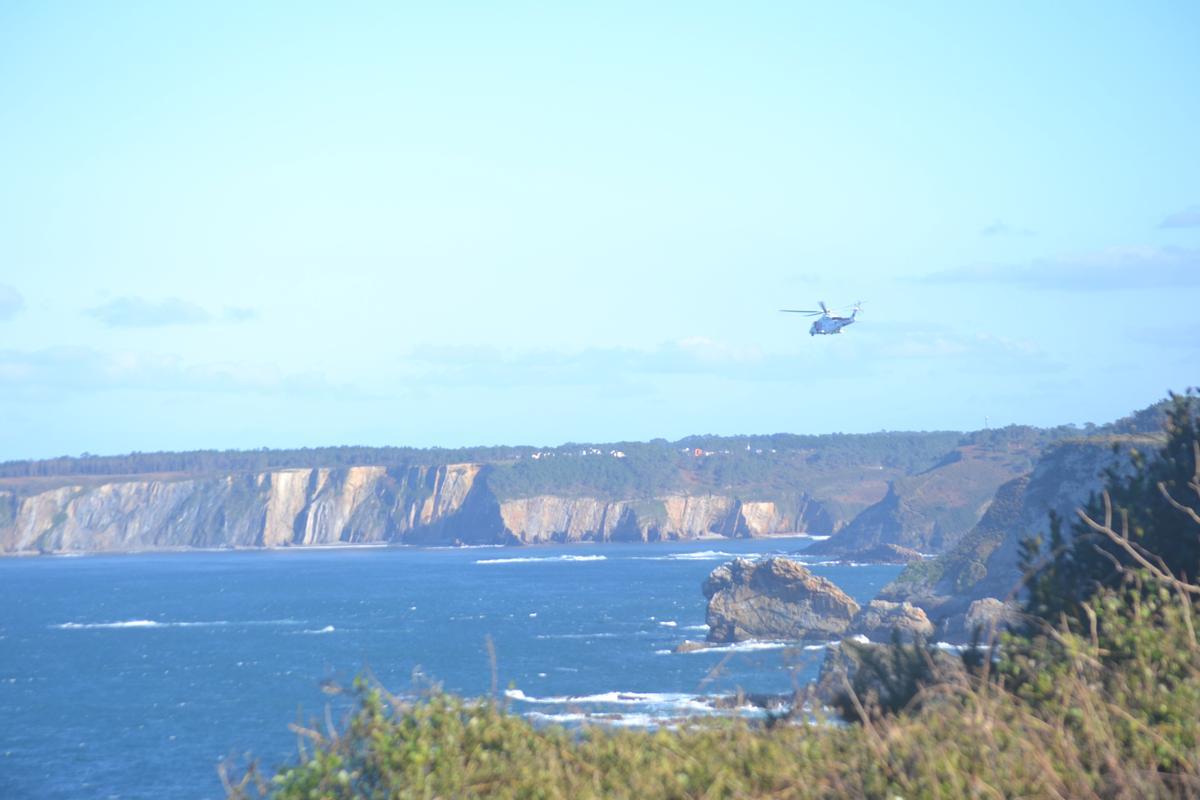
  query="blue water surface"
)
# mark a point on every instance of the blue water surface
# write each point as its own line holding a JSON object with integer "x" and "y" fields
{"x": 134, "y": 676}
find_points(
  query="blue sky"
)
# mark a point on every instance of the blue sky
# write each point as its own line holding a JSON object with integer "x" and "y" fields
{"x": 244, "y": 225}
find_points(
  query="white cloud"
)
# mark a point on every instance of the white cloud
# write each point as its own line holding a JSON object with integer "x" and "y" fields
{"x": 1000, "y": 228}
{"x": 1145, "y": 267}
{"x": 10, "y": 302}
{"x": 138, "y": 312}
{"x": 58, "y": 371}
{"x": 828, "y": 359}
{"x": 1187, "y": 218}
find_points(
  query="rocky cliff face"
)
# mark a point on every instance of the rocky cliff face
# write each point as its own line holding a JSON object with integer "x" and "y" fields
{"x": 984, "y": 564}
{"x": 304, "y": 507}
{"x": 270, "y": 509}
{"x": 931, "y": 511}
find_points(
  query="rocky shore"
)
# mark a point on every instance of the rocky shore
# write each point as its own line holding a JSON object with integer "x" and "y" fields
{"x": 779, "y": 599}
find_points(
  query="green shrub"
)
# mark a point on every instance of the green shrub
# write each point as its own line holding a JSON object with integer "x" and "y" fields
{"x": 1061, "y": 714}
{"x": 1147, "y": 516}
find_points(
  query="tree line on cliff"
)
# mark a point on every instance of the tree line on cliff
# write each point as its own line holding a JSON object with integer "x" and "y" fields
{"x": 645, "y": 468}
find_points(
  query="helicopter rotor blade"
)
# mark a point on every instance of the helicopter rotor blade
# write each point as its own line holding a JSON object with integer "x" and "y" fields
{"x": 821, "y": 303}
{"x": 806, "y": 312}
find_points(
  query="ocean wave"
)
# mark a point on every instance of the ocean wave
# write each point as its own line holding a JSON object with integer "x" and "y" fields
{"x": 664, "y": 700}
{"x": 669, "y": 623}
{"x": 532, "y": 559}
{"x": 129, "y": 623}
{"x": 326, "y": 629}
{"x": 149, "y": 623}
{"x": 560, "y": 719}
{"x": 460, "y": 546}
{"x": 694, "y": 628}
{"x": 607, "y": 635}
{"x": 741, "y": 647}
{"x": 696, "y": 555}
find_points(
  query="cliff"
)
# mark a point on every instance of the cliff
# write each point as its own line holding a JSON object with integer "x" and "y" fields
{"x": 985, "y": 562}
{"x": 369, "y": 504}
{"x": 930, "y": 511}
{"x": 921, "y": 490}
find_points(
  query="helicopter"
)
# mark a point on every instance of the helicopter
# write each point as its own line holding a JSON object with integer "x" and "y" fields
{"x": 828, "y": 322}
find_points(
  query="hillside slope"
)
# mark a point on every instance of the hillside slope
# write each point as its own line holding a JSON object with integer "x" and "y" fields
{"x": 984, "y": 563}
{"x": 931, "y": 510}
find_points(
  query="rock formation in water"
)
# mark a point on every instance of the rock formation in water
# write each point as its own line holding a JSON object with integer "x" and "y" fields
{"x": 986, "y": 618}
{"x": 869, "y": 669}
{"x": 880, "y": 619}
{"x": 775, "y": 598}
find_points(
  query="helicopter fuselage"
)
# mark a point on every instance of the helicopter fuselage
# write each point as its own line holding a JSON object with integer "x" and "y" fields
{"x": 830, "y": 324}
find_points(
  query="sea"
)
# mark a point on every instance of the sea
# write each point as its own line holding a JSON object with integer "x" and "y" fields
{"x": 139, "y": 675}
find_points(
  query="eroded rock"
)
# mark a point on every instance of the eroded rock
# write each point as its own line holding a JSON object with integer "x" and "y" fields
{"x": 988, "y": 616}
{"x": 775, "y": 598}
{"x": 879, "y": 618}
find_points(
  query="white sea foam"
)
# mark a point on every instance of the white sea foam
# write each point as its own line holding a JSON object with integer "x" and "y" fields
{"x": 461, "y": 546}
{"x": 607, "y": 635}
{"x": 696, "y": 555}
{"x": 671, "y": 700}
{"x": 668, "y": 623}
{"x": 632, "y": 721}
{"x": 129, "y": 623}
{"x": 326, "y": 629}
{"x": 556, "y": 718}
{"x": 532, "y": 559}
{"x": 743, "y": 647}
{"x": 694, "y": 628}
{"x": 149, "y": 623}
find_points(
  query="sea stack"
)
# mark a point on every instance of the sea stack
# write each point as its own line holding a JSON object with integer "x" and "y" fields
{"x": 776, "y": 598}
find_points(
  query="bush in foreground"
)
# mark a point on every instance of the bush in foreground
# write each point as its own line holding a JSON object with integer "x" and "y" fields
{"x": 1115, "y": 714}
